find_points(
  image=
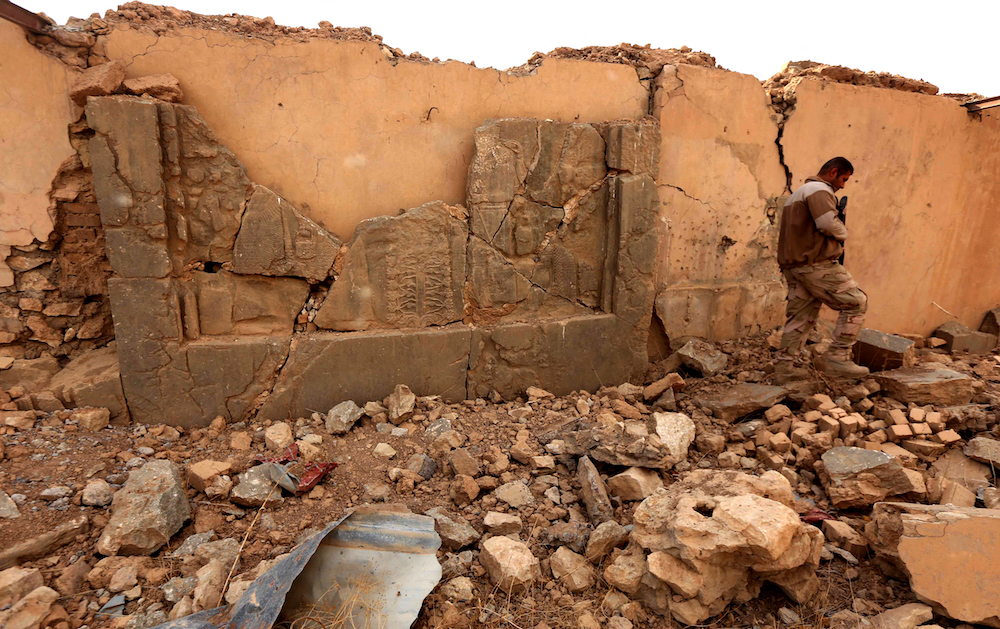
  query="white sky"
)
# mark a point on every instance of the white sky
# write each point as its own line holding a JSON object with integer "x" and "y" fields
{"x": 950, "y": 44}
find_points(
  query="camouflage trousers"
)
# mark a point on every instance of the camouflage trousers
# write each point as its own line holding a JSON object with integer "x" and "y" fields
{"x": 809, "y": 288}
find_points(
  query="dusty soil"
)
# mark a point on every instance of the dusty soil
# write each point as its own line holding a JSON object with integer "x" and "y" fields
{"x": 56, "y": 454}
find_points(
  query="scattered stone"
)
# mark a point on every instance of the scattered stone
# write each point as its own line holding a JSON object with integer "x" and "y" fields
{"x": 384, "y": 450}
{"x": 97, "y": 493}
{"x": 627, "y": 570}
{"x": 278, "y": 436}
{"x": 254, "y": 487}
{"x": 464, "y": 489}
{"x": 924, "y": 385}
{"x": 502, "y": 523}
{"x": 672, "y": 382}
{"x": 509, "y": 563}
{"x": 516, "y": 494}
{"x": 400, "y": 404}
{"x": 855, "y": 477}
{"x": 843, "y": 536}
{"x": 914, "y": 538}
{"x": 454, "y": 531}
{"x": 422, "y": 464}
{"x": 192, "y": 543}
{"x": 703, "y": 357}
{"x": 907, "y": 616}
{"x": 30, "y": 611}
{"x": 740, "y": 400}
{"x": 44, "y": 544}
{"x": 342, "y": 417}
{"x": 92, "y": 419}
{"x": 16, "y": 583}
{"x": 71, "y": 580}
{"x": 203, "y": 473}
{"x": 571, "y": 569}
{"x": 125, "y": 578}
{"x": 788, "y": 616}
{"x": 163, "y": 86}
{"x": 211, "y": 580}
{"x": 220, "y": 488}
{"x": 178, "y": 587}
{"x": 880, "y": 351}
{"x": 240, "y": 441}
{"x": 593, "y": 492}
{"x": 606, "y": 537}
{"x": 98, "y": 80}
{"x": 724, "y": 529}
{"x": 463, "y": 463}
{"x": 983, "y": 450}
{"x": 147, "y": 511}
{"x": 635, "y": 483}
{"x": 459, "y": 590}
{"x": 958, "y": 468}
{"x": 8, "y": 508}
{"x": 959, "y": 338}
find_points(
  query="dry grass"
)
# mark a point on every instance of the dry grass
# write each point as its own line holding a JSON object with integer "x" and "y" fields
{"x": 362, "y": 595}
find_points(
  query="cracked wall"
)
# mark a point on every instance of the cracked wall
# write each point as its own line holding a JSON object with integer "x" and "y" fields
{"x": 720, "y": 179}
{"x": 346, "y": 132}
{"x": 204, "y": 331}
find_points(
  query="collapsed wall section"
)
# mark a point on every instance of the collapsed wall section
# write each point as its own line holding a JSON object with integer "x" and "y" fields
{"x": 556, "y": 254}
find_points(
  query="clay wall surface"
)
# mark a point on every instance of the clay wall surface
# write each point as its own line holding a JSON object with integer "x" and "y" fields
{"x": 348, "y": 129}
{"x": 34, "y": 111}
{"x": 344, "y": 132}
{"x": 923, "y": 202}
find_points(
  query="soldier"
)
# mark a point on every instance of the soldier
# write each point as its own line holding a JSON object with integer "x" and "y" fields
{"x": 809, "y": 245}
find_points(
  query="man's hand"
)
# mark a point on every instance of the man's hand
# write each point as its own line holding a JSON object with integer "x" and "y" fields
{"x": 832, "y": 226}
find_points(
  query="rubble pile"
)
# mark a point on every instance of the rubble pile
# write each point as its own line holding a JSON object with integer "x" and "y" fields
{"x": 704, "y": 492}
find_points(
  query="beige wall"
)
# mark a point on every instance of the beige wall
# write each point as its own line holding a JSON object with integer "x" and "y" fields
{"x": 923, "y": 202}
{"x": 34, "y": 113}
{"x": 344, "y": 134}
{"x": 719, "y": 172}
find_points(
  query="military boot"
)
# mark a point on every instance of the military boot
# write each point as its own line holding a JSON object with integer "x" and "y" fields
{"x": 785, "y": 371}
{"x": 837, "y": 364}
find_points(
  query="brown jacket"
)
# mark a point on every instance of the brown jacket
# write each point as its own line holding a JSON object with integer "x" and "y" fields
{"x": 810, "y": 229}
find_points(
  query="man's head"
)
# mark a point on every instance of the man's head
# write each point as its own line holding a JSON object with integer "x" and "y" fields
{"x": 836, "y": 172}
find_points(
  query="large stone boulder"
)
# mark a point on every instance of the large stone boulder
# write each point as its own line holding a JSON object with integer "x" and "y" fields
{"x": 715, "y": 536}
{"x": 509, "y": 563}
{"x": 949, "y": 554}
{"x": 147, "y": 511}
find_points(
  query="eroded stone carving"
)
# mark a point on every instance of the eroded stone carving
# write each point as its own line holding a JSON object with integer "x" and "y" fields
{"x": 276, "y": 240}
{"x": 404, "y": 271}
{"x": 326, "y": 368}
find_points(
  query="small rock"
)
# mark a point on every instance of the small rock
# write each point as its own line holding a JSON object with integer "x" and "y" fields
{"x": 92, "y": 419}
{"x": 454, "y": 531}
{"x": 516, "y": 494}
{"x": 907, "y": 616}
{"x": 55, "y": 493}
{"x": 702, "y": 357}
{"x": 376, "y": 492}
{"x": 146, "y": 512}
{"x": 29, "y": 612}
{"x": 983, "y": 450}
{"x": 458, "y": 590}
{"x": 278, "y": 436}
{"x": 607, "y": 536}
{"x": 593, "y": 492}
{"x": 626, "y": 571}
{"x": 342, "y": 417}
{"x": 464, "y": 489}
{"x": 384, "y": 450}
{"x": 502, "y": 523}
{"x": 509, "y": 563}
{"x": 8, "y": 508}
{"x": 178, "y": 587}
{"x": 16, "y": 583}
{"x": 635, "y": 483}
{"x": 400, "y": 403}
{"x": 788, "y": 616}
{"x": 97, "y": 493}
{"x": 571, "y": 569}
{"x": 240, "y": 441}
{"x": 422, "y": 464}
{"x": 463, "y": 463}
{"x": 253, "y": 488}
{"x": 201, "y": 474}
{"x": 125, "y": 578}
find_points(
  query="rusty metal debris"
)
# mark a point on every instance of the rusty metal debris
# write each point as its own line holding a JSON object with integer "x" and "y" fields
{"x": 22, "y": 17}
{"x": 369, "y": 569}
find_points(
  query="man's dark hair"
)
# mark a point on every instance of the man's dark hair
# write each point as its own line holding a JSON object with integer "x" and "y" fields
{"x": 840, "y": 163}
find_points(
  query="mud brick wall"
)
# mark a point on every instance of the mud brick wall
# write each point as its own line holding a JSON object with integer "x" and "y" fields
{"x": 227, "y": 300}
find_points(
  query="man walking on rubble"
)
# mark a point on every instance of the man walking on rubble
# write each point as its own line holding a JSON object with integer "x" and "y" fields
{"x": 810, "y": 242}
